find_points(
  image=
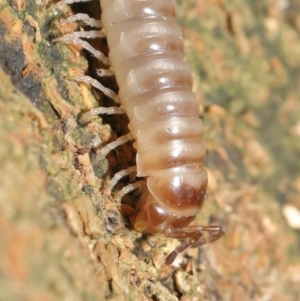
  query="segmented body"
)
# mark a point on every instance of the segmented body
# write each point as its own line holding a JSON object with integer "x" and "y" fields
{"x": 146, "y": 53}
{"x": 155, "y": 89}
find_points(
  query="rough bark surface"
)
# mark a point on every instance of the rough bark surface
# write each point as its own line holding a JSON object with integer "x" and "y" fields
{"x": 62, "y": 238}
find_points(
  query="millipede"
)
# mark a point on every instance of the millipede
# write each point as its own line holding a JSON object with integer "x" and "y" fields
{"x": 146, "y": 56}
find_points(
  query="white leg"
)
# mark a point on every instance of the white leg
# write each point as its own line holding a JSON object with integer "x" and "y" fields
{"x": 101, "y": 110}
{"x": 77, "y": 35}
{"x": 84, "y": 18}
{"x": 108, "y": 111}
{"x": 75, "y": 38}
{"x": 105, "y": 72}
{"x": 86, "y": 117}
{"x": 129, "y": 188}
{"x": 106, "y": 149}
{"x": 119, "y": 175}
{"x": 108, "y": 92}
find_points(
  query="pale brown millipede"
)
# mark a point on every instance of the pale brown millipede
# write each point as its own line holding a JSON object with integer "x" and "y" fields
{"x": 155, "y": 90}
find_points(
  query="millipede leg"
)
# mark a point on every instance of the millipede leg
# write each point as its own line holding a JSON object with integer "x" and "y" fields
{"x": 86, "y": 117}
{"x": 119, "y": 175}
{"x": 84, "y": 18}
{"x": 106, "y": 149}
{"x": 130, "y": 188}
{"x": 108, "y": 111}
{"x": 68, "y": 38}
{"x": 105, "y": 72}
{"x": 100, "y": 110}
{"x": 76, "y": 38}
{"x": 108, "y": 92}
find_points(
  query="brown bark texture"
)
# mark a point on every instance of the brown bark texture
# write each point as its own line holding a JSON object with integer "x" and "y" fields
{"x": 63, "y": 238}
